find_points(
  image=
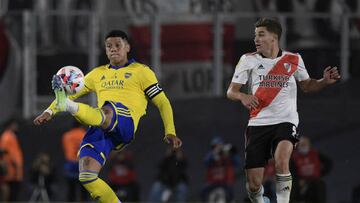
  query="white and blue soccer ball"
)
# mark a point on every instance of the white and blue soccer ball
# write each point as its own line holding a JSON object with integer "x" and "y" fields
{"x": 72, "y": 79}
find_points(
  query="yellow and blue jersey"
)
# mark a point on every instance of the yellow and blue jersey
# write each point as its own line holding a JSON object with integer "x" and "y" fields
{"x": 132, "y": 85}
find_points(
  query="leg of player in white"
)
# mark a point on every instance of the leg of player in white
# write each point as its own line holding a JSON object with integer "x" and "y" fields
{"x": 283, "y": 175}
{"x": 254, "y": 185}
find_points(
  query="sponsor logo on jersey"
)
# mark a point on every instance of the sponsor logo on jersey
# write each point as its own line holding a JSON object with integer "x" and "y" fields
{"x": 103, "y": 77}
{"x": 261, "y": 67}
{"x": 113, "y": 84}
{"x": 274, "y": 81}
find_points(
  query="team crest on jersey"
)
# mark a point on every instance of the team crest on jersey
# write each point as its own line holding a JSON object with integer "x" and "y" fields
{"x": 127, "y": 75}
{"x": 287, "y": 66}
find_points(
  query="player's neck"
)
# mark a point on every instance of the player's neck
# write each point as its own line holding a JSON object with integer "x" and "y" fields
{"x": 272, "y": 53}
{"x": 120, "y": 63}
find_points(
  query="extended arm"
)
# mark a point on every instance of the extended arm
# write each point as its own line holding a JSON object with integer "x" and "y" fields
{"x": 233, "y": 93}
{"x": 47, "y": 115}
{"x": 164, "y": 106}
{"x": 330, "y": 76}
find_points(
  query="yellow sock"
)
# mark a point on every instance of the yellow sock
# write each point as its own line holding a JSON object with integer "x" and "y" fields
{"x": 89, "y": 115}
{"x": 101, "y": 191}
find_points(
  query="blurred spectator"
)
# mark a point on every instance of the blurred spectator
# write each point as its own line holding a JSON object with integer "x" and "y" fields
{"x": 172, "y": 180}
{"x": 42, "y": 178}
{"x": 122, "y": 176}
{"x": 13, "y": 157}
{"x": 309, "y": 168}
{"x": 71, "y": 141}
{"x": 221, "y": 161}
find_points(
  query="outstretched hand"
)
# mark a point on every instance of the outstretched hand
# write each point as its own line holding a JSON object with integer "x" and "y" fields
{"x": 174, "y": 141}
{"x": 42, "y": 118}
{"x": 331, "y": 75}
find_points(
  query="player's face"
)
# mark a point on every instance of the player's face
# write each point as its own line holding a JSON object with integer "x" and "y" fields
{"x": 264, "y": 40}
{"x": 117, "y": 50}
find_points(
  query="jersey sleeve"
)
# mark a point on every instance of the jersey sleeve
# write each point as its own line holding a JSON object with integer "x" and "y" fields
{"x": 166, "y": 113}
{"x": 241, "y": 74}
{"x": 301, "y": 72}
{"x": 154, "y": 92}
{"x": 89, "y": 80}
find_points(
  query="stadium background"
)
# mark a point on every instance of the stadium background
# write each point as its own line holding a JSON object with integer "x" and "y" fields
{"x": 193, "y": 46}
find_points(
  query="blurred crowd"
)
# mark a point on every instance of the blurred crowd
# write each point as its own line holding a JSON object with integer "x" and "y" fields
{"x": 222, "y": 169}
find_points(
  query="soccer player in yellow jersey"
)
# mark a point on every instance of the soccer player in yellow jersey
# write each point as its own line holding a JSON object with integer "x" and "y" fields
{"x": 123, "y": 88}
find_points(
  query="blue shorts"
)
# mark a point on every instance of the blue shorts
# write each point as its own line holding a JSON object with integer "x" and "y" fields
{"x": 98, "y": 142}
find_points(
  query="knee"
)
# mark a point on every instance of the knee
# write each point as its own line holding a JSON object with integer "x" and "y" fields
{"x": 87, "y": 177}
{"x": 253, "y": 183}
{"x": 282, "y": 166}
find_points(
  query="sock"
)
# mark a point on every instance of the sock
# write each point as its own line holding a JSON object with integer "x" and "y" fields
{"x": 283, "y": 187}
{"x": 71, "y": 106}
{"x": 97, "y": 188}
{"x": 89, "y": 115}
{"x": 256, "y": 197}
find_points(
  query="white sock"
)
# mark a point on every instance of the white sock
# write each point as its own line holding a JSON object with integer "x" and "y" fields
{"x": 256, "y": 197}
{"x": 283, "y": 187}
{"x": 71, "y": 106}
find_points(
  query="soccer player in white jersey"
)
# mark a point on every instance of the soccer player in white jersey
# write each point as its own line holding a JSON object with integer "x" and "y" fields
{"x": 272, "y": 76}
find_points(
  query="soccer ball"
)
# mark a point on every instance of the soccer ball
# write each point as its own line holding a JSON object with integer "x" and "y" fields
{"x": 72, "y": 79}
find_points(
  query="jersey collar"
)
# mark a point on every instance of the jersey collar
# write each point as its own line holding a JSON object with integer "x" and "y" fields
{"x": 130, "y": 61}
{"x": 278, "y": 55}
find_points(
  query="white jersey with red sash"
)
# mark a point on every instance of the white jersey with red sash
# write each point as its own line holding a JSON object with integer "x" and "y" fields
{"x": 273, "y": 82}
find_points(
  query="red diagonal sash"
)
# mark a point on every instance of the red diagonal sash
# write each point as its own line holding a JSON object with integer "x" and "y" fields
{"x": 286, "y": 66}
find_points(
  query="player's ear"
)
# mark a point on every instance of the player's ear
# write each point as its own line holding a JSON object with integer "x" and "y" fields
{"x": 275, "y": 37}
{"x": 127, "y": 47}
